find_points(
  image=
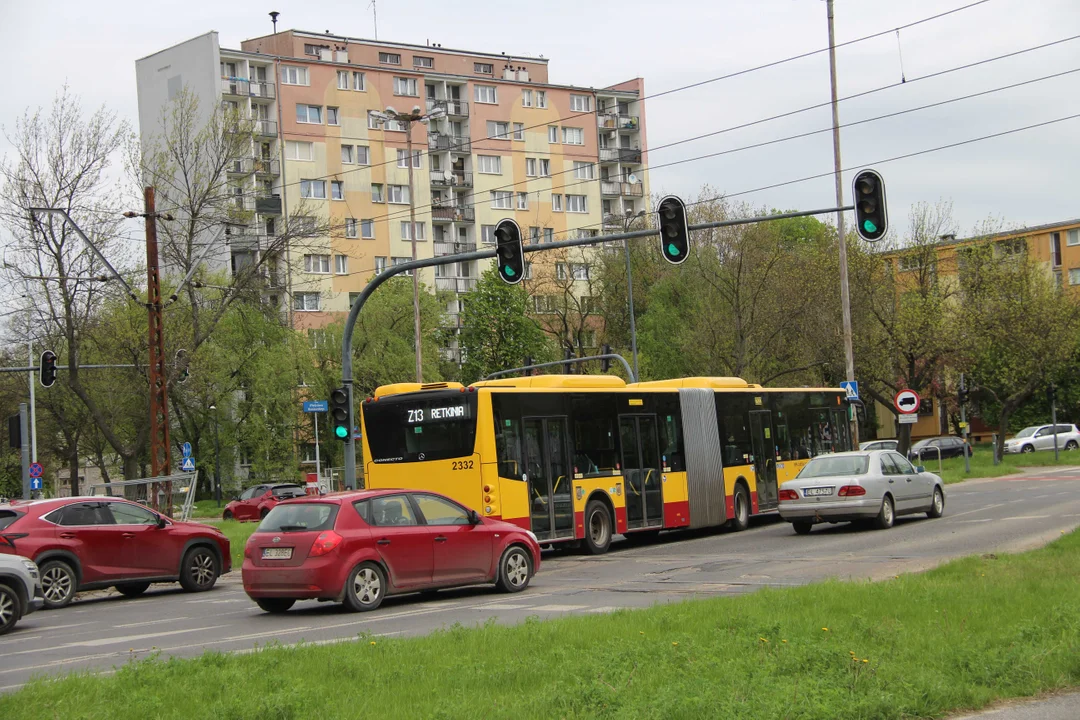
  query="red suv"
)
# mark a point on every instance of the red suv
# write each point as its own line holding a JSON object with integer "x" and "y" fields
{"x": 359, "y": 547}
{"x": 92, "y": 542}
{"x": 256, "y": 502}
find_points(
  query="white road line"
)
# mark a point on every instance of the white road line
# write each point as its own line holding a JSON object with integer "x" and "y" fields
{"x": 502, "y": 606}
{"x": 968, "y": 512}
{"x": 115, "y": 640}
{"x": 559, "y": 608}
{"x": 976, "y": 520}
{"x": 64, "y": 627}
{"x": 1028, "y": 517}
{"x": 152, "y": 622}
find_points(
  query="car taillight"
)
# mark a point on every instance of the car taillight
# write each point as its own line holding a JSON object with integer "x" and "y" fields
{"x": 10, "y": 538}
{"x": 851, "y": 491}
{"x": 248, "y": 546}
{"x": 326, "y": 542}
{"x": 788, "y": 495}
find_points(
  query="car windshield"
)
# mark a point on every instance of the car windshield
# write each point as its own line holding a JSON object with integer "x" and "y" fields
{"x": 299, "y": 517}
{"x": 920, "y": 444}
{"x": 829, "y": 466}
{"x": 1027, "y": 432}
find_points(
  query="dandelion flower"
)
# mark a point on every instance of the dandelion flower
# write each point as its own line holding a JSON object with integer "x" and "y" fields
{"x": 372, "y": 642}
{"x": 825, "y": 629}
{"x": 851, "y": 652}
{"x": 763, "y": 640}
{"x": 675, "y": 644}
{"x": 783, "y": 641}
{"x": 865, "y": 661}
{"x": 641, "y": 632}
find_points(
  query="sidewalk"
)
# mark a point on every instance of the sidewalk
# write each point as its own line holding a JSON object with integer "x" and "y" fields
{"x": 1057, "y": 707}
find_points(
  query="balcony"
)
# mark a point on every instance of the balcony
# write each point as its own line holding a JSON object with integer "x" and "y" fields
{"x": 454, "y": 108}
{"x": 235, "y": 87}
{"x": 266, "y": 166}
{"x": 451, "y": 320}
{"x": 449, "y": 143}
{"x": 239, "y": 166}
{"x": 614, "y": 155}
{"x": 453, "y": 355}
{"x": 453, "y": 248}
{"x": 610, "y": 189}
{"x": 265, "y": 128}
{"x": 453, "y": 213}
{"x": 261, "y": 90}
{"x": 455, "y": 284}
{"x": 449, "y": 178}
{"x": 617, "y": 122}
{"x": 633, "y": 190}
{"x": 268, "y": 205}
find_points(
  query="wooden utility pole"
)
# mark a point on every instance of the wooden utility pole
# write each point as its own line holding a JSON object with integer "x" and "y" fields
{"x": 159, "y": 397}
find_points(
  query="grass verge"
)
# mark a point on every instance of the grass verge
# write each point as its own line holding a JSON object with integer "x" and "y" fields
{"x": 238, "y": 534}
{"x": 982, "y": 464}
{"x": 961, "y": 636}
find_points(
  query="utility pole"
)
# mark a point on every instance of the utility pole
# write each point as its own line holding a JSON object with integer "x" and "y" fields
{"x": 159, "y": 397}
{"x": 963, "y": 423}
{"x": 23, "y": 434}
{"x": 1052, "y": 392}
{"x": 630, "y": 294}
{"x": 845, "y": 296}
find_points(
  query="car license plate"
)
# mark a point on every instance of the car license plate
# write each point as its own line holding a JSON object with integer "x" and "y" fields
{"x": 277, "y": 553}
{"x": 813, "y": 492}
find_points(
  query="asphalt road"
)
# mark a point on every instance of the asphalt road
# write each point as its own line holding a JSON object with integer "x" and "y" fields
{"x": 104, "y": 630}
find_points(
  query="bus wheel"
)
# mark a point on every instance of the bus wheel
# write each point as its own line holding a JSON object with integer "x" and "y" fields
{"x": 597, "y": 527}
{"x": 742, "y": 509}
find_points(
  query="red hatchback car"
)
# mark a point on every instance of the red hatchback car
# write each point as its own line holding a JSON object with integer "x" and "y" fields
{"x": 93, "y": 542}
{"x": 358, "y": 547}
{"x": 256, "y": 502}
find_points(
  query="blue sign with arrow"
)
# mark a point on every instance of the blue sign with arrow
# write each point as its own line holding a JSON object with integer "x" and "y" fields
{"x": 186, "y": 449}
{"x": 35, "y": 483}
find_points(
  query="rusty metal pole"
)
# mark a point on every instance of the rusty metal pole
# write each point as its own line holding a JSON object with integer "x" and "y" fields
{"x": 159, "y": 396}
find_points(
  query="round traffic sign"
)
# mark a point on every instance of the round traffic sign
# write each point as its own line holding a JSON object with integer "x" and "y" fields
{"x": 35, "y": 470}
{"x": 907, "y": 402}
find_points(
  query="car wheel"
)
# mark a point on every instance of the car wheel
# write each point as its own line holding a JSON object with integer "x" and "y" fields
{"x": 227, "y": 515}
{"x": 275, "y": 605}
{"x": 132, "y": 589}
{"x": 886, "y": 515}
{"x": 1027, "y": 449}
{"x": 741, "y": 502}
{"x": 366, "y": 587}
{"x": 937, "y": 507}
{"x": 58, "y": 583}
{"x": 199, "y": 571}
{"x": 597, "y": 528}
{"x": 10, "y": 608}
{"x": 1071, "y": 445}
{"x": 515, "y": 570}
{"x": 802, "y": 528}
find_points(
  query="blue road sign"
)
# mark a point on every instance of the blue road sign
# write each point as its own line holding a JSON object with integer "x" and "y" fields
{"x": 35, "y": 483}
{"x": 186, "y": 449}
{"x": 188, "y": 465}
{"x": 35, "y": 470}
{"x": 851, "y": 387}
{"x": 316, "y": 406}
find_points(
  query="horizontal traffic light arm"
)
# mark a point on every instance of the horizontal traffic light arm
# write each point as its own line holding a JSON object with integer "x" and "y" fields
{"x": 62, "y": 367}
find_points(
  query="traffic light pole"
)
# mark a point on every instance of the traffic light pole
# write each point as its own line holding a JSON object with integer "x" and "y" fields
{"x": 24, "y": 431}
{"x": 1053, "y": 419}
{"x": 354, "y": 313}
{"x": 964, "y": 425}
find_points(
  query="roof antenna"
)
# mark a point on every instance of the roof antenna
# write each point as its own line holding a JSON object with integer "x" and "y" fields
{"x": 273, "y": 19}
{"x": 901, "y": 53}
{"x": 375, "y": 16}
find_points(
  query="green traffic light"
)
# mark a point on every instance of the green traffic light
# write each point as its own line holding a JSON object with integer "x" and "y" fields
{"x": 869, "y": 226}
{"x": 507, "y": 270}
{"x": 341, "y": 431}
{"x": 672, "y": 250}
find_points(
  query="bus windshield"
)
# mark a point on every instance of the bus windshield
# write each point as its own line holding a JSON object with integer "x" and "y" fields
{"x": 414, "y": 427}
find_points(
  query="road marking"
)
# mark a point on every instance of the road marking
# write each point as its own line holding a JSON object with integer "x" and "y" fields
{"x": 976, "y": 520}
{"x": 559, "y": 608}
{"x": 968, "y": 512}
{"x": 502, "y": 606}
{"x": 1028, "y": 517}
{"x": 217, "y": 602}
{"x": 152, "y": 622}
{"x": 114, "y": 640}
{"x": 64, "y": 627}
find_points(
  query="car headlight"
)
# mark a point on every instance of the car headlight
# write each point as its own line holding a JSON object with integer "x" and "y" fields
{"x": 31, "y": 566}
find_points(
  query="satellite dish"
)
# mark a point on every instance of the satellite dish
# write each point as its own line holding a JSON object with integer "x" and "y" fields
{"x": 632, "y": 179}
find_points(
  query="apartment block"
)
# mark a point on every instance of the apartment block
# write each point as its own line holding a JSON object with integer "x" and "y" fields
{"x": 561, "y": 160}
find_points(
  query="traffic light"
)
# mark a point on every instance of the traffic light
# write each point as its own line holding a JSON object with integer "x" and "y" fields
{"x": 341, "y": 414}
{"x": 674, "y": 235}
{"x": 871, "y": 218}
{"x": 605, "y": 363}
{"x": 509, "y": 253}
{"x": 1051, "y": 395}
{"x": 47, "y": 369}
{"x": 962, "y": 396}
{"x": 180, "y": 363}
{"x": 568, "y": 354}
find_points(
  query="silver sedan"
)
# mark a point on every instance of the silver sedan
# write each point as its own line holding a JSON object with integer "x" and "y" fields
{"x": 856, "y": 486}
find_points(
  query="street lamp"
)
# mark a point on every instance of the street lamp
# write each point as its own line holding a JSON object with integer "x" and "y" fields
{"x": 408, "y": 119}
{"x": 217, "y": 458}
{"x": 627, "y": 222}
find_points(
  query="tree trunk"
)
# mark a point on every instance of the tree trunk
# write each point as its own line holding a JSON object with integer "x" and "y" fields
{"x": 1003, "y": 427}
{"x": 73, "y": 469}
{"x": 131, "y": 467}
{"x": 903, "y": 439}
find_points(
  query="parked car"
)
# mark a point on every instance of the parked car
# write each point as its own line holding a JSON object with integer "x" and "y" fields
{"x": 20, "y": 590}
{"x": 256, "y": 502}
{"x": 84, "y": 543}
{"x": 878, "y": 445}
{"x": 358, "y": 547}
{"x": 950, "y": 446}
{"x": 1041, "y": 437}
{"x": 855, "y": 486}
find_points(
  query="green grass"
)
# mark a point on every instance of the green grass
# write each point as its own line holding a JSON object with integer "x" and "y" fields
{"x": 238, "y": 533}
{"x": 961, "y": 636}
{"x": 204, "y": 509}
{"x": 982, "y": 463}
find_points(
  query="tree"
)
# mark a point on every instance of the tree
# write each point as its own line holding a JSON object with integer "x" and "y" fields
{"x": 497, "y": 332}
{"x": 565, "y": 287}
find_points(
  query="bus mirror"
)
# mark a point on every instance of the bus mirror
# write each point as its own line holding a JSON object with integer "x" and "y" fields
{"x": 474, "y": 517}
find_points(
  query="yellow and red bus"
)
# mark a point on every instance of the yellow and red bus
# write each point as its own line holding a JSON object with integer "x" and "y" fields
{"x": 580, "y": 457}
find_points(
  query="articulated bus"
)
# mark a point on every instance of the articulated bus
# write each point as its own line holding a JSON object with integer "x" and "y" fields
{"x": 581, "y": 457}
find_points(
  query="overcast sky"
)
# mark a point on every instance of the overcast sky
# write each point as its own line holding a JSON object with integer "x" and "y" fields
{"x": 1027, "y": 178}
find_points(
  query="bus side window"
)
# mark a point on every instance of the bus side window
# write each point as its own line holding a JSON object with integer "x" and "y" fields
{"x": 783, "y": 439}
{"x": 738, "y": 449}
{"x": 508, "y": 447}
{"x": 671, "y": 444}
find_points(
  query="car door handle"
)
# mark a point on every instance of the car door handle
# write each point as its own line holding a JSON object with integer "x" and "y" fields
{"x": 67, "y": 536}
{"x": 128, "y": 536}
{"x": 891, "y": 482}
{"x": 440, "y": 538}
{"x": 384, "y": 541}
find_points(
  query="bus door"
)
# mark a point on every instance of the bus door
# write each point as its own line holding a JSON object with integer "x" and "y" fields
{"x": 551, "y": 495}
{"x": 641, "y": 471}
{"x": 764, "y": 445}
{"x": 843, "y": 430}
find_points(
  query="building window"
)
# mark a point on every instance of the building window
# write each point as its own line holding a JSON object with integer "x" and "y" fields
{"x": 423, "y": 62}
{"x": 573, "y": 136}
{"x": 556, "y": 203}
{"x": 292, "y": 75}
{"x": 313, "y": 189}
{"x": 526, "y": 98}
{"x": 420, "y": 234}
{"x": 528, "y": 271}
{"x": 487, "y": 234}
{"x": 577, "y": 204}
{"x": 332, "y": 116}
{"x": 545, "y": 167}
{"x": 544, "y": 304}
{"x": 403, "y": 158}
{"x": 358, "y": 81}
{"x": 377, "y": 193}
{"x": 1055, "y": 249}
{"x": 395, "y": 261}
{"x": 367, "y": 229}
{"x": 523, "y": 201}
{"x": 483, "y": 68}
{"x": 534, "y": 234}
{"x": 389, "y": 58}
{"x": 519, "y": 131}
{"x": 549, "y": 235}
{"x": 350, "y": 227}
{"x": 1072, "y": 237}
{"x": 309, "y": 114}
{"x": 373, "y": 122}
{"x": 337, "y": 190}
{"x": 395, "y": 125}
{"x": 342, "y": 79}
{"x": 405, "y": 86}
{"x": 341, "y": 264}
{"x": 489, "y": 164}
{"x": 1074, "y": 276}
{"x": 306, "y": 301}
{"x": 553, "y": 134}
{"x": 502, "y": 200}
{"x": 318, "y": 264}
{"x": 353, "y": 297}
{"x": 347, "y": 154}
{"x": 498, "y": 130}
{"x": 583, "y": 170}
{"x": 398, "y": 194}
{"x": 530, "y": 167}
{"x": 363, "y": 156}
{"x": 560, "y": 271}
{"x": 486, "y": 94}
{"x": 580, "y": 103}
{"x": 579, "y": 271}
{"x": 297, "y": 150}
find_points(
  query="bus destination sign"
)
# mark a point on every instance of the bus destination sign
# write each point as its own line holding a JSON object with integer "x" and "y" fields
{"x": 436, "y": 414}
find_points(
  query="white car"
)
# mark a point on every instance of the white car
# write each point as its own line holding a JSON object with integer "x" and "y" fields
{"x": 879, "y": 445}
{"x": 1041, "y": 437}
{"x": 20, "y": 589}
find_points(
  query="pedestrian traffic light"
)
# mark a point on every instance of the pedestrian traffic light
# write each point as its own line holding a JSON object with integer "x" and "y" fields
{"x": 341, "y": 414}
{"x": 1051, "y": 395}
{"x": 605, "y": 363}
{"x": 180, "y": 364}
{"x": 15, "y": 432}
{"x": 674, "y": 235}
{"x": 511, "y": 257}
{"x": 47, "y": 369}
{"x": 962, "y": 396}
{"x": 871, "y": 218}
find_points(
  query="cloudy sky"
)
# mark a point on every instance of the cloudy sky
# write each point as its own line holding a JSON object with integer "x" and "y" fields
{"x": 1026, "y": 178}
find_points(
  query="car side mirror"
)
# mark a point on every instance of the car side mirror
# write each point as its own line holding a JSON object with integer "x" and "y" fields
{"x": 161, "y": 522}
{"x": 920, "y": 468}
{"x": 474, "y": 517}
